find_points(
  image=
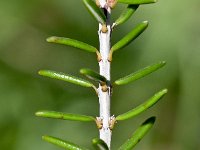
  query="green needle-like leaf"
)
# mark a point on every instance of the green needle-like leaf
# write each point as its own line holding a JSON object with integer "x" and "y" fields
{"x": 137, "y": 1}
{"x": 130, "y": 36}
{"x": 65, "y": 77}
{"x": 126, "y": 14}
{"x": 95, "y": 11}
{"x": 141, "y": 108}
{"x": 64, "y": 116}
{"x": 139, "y": 74}
{"x": 64, "y": 144}
{"x": 72, "y": 42}
{"x": 93, "y": 75}
{"x": 99, "y": 144}
{"x": 138, "y": 134}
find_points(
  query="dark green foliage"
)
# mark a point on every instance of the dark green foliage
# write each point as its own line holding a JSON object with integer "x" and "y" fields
{"x": 95, "y": 11}
{"x": 143, "y": 107}
{"x": 139, "y": 74}
{"x": 99, "y": 144}
{"x": 64, "y": 116}
{"x": 93, "y": 75}
{"x": 65, "y": 77}
{"x": 61, "y": 143}
{"x": 130, "y": 36}
{"x": 126, "y": 14}
{"x": 138, "y": 134}
{"x": 137, "y": 1}
{"x": 71, "y": 42}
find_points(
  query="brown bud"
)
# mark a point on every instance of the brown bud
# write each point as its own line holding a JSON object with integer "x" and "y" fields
{"x": 99, "y": 58}
{"x": 104, "y": 28}
{"x": 110, "y": 56}
{"x": 104, "y": 88}
{"x": 112, "y": 3}
{"x": 112, "y": 122}
{"x": 99, "y": 122}
{"x": 98, "y": 3}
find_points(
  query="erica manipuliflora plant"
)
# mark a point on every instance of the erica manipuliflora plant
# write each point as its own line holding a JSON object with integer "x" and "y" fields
{"x": 101, "y": 11}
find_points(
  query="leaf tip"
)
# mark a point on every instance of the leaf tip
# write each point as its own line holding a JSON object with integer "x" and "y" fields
{"x": 164, "y": 91}
{"x": 163, "y": 62}
{"x": 45, "y": 137}
{"x": 95, "y": 140}
{"x": 51, "y": 39}
{"x": 41, "y": 72}
{"x": 145, "y": 22}
{"x": 82, "y": 71}
{"x": 38, "y": 113}
{"x": 151, "y": 120}
{"x": 99, "y": 144}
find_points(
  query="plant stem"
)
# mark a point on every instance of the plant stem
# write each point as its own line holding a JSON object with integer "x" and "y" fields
{"x": 104, "y": 91}
{"x": 102, "y": 3}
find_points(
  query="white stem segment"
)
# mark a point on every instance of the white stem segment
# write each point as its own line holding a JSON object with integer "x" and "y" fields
{"x": 102, "y": 3}
{"x": 104, "y": 97}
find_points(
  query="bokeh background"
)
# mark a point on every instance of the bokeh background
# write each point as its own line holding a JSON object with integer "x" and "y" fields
{"x": 173, "y": 36}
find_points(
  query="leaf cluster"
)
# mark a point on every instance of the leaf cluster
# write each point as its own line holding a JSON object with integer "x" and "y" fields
{"x": 99, "y": 15}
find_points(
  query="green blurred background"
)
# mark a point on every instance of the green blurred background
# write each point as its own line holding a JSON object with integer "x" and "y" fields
{"x": 173, "y": 35}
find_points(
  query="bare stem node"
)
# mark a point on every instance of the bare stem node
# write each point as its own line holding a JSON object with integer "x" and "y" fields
{"x": 99, "y": 122}
{"x": 99, "y": 57}
{"x": 110, "y": 55}
{"x": 104, "y": 88}
{"x": 112, "y": 122}
{"x": 112, "y": 3}
{"x": 104, "y": 28}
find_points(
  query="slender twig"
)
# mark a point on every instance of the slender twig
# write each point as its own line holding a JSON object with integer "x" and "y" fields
{"x": 104, "y": 90}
